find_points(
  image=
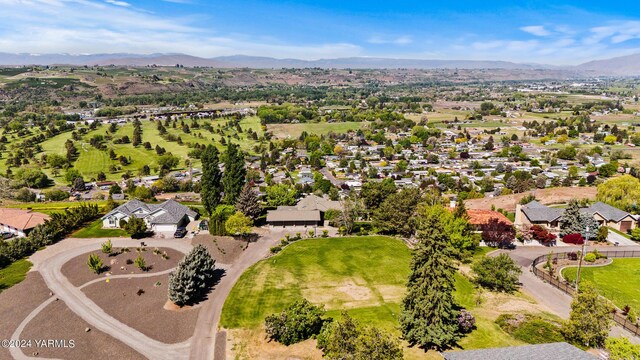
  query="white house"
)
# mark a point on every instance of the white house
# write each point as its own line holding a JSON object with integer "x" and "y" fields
{"x": 164, "y": 217}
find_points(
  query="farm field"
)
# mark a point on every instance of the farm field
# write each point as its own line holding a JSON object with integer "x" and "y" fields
{"x": 294, "y": 130}
{"x": 617, "y": 282}
{"x": 363, "y": 275}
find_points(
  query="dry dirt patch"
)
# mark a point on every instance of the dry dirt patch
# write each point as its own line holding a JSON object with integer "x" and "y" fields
{"x": 546, "y": 196}
{"x": 145, "y": 313}
{"x": 17, "y": 302}
{"x": 355, "y": 292}
{"x": 253, "y": 344}
{"x": 57, "y": 321}
{"x": 223, "y": 249}
{"x": 78, "y": 273}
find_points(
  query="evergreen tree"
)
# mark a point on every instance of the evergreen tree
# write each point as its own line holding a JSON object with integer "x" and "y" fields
{"x": 248, "y": 203}
{"x": 590, "y": 319}
{"x": 429, "y": 315}
{"x": 234, "y": 173}
{"x": 211, "y": 176}
{"x": 574, "y": 221}
{"x": 192, "y": 277}
{"x": 460, "y": 211}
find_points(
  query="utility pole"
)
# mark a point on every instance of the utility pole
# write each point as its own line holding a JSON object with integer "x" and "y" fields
{"x": 584, "y": 243}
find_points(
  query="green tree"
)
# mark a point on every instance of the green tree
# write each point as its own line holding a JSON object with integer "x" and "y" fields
{"x": 590, "y": 318}
{"x": 140, "y": 263}
{"x": 298, "y": 322}
{"x": 248, "y": 202}
{"x": 168, "y": 161}
{"x": 374, "y": 193}
{"x": 238, "y": 224}
{"x": 211, "y": 185}
{"x": 135, "y": 227}
{"x": 192, "y": 277}
{"x": 574, "y": 221}
{"x": 429, "y": 311}
{"x": 622, "y": 192}
{"x": 498, "y": 273}
{"x": 281, "y": 194}
{"x": 234, "y": 173}
{"x": 29, "y": 177}
{"x": 395, "y": 214}
{"x": 107, "y": 247}
{"x": 142, "y": 193}
{"x": 603, "y": 234}
{"x": 95, "y": 263}
{"x": 25, "y": 195}
{"x": 71, "y": 175}
{"x": 607, "y": 170}
{"x": 622, "y": 349}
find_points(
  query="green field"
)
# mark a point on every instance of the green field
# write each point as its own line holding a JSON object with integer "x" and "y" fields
{"x": 294, "y": 130}
{"x": 14, "y": 273}
{"x": 618, "y": 282}
{"x": 364, "y": 275}
{"x": 95, "y": 230}
{"x": 54, "y": 206}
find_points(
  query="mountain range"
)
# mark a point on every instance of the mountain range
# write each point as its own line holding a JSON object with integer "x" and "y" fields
{"x": 619, "y": 66}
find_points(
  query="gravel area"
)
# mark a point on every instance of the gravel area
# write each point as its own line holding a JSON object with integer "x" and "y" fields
{"x": 224, "y": 249}
{"x": 78, "y": 273}
{"x": 119, "y": 298}
{"x": 17, "y": 302}
{"x": 58, "y": 322}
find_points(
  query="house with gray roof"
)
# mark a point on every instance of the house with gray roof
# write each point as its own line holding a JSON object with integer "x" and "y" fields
{"x": 612, "y": 217}
{"x": 534, "y": 213}
{"x": 308, "y": 212}
{"x": 163, "y": 217}
{"x": 552, "y": 351}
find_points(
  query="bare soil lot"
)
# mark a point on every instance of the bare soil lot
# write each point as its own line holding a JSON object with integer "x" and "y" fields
{"x": 17, "y": 302}
{"x": 78, "y": 273}
{"x": 58, "y": 322}
{"x": 145, "y": 313}
{"x": 546, "y": 196}
{"x": 223, "y": 249}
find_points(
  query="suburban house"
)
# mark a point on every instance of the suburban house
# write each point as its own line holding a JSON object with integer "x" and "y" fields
{"x": 164, "y": 217}
{"x": 18, "y": 222}
{"x": 534, "y": 213}
{"x": 309, "y": 211}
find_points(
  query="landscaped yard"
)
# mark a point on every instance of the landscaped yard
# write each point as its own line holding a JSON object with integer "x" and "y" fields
{"x": 14, "y": 273}
{"x": 95, "y": 230}
{"x": 618, "y": 282}
{"x": 365, "y": 276}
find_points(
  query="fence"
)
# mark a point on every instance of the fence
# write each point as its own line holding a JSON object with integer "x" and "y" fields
{"x": 569, "y": 289}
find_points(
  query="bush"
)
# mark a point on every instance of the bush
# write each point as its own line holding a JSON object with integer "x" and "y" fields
{"x": 95, "y": 263}
{"x": 576, "y": 239}
{"x": 107, "y": 247}
{"x": 603, "y": 233}
{"x": 140, "y": 263}
{"x": 298, "y": 322}
{"x": 530, "y": 328}
{"x": 498, "y": 273}
{"x": 572, "y": 256}
{"x": 135, "y": 227}
{"x": 275, "y": 249}
{"x": 466, "y": 321}
{"x": 590, "y": 257}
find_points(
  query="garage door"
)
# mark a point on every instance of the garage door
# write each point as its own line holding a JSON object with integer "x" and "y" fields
{"x": 164, "y": 227}
{"x": 625, "y": 226}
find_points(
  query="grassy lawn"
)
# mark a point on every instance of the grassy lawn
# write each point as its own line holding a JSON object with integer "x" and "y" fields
{"x": 14, "y": 273}
{"x": 617, "y": 282}
{"x": 365, "y": 276}
{"x": 294, "y": 130}
{"x": 54, "y": 206}
{"x": 95, "y": 230}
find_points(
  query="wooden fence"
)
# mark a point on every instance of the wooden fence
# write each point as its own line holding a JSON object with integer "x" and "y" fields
{"x": 568, "y": 288}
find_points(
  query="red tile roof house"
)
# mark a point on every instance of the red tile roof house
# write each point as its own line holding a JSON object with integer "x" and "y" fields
{"x": 20, "y": 222}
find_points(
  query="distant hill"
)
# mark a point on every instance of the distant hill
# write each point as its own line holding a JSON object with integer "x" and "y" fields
{"x": 620, "y": 66}
{"x": 623, "y": 66}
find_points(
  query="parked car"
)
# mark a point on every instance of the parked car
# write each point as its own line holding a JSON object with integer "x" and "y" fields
{"x": 180, "y": 233}
{"x": 204, "y": 225}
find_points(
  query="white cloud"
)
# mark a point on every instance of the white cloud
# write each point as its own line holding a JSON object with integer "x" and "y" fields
{"x": 83, "y": 26}
{"x": 118, "y": 3}
{"x": 537, "y": 30}
{"x": 401, "y": 40}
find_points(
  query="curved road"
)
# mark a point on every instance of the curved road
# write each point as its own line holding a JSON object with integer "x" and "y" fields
{"x": 81, "y": 305}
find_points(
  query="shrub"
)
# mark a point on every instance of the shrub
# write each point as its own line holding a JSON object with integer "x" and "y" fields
{"x": 192, "y": 277}
{"x": 298, "y": 322}
{"x": 275, "y": 249}
{"x": 622, "y": 349}
{"x": 140, "y": 263}
{"x": 603, "y": 233}
{"x": 631, "y": 316}
{"x": 325, "y": 233}
{"x": 95, "y": 263}
{"x": 107, "y": 247}
{"x": 576, "y": 239}
{"x": 541, "y": 234}
{"x": 135, "y": 227}
{"x": 572, "y": 256}
{"x": 530, "y": 328}
{"x": 466, "y": 321}
{"x": 498, "y": 273}
{"x": 590, "y": 257}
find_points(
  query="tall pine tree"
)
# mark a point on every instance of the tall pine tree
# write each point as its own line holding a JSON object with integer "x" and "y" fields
{"x": 574, "y": 221}
{"x": 234, "y": 173}
{"x": 429, "y": 312}
{"x": 211, "y": 187}
{"x": 248, "y": 203}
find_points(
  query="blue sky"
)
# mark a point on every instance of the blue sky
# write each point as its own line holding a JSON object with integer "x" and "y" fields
{"x": 523, "y": 31}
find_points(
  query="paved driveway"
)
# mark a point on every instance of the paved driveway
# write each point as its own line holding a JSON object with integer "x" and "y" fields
{"x": 621, "y": 240}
